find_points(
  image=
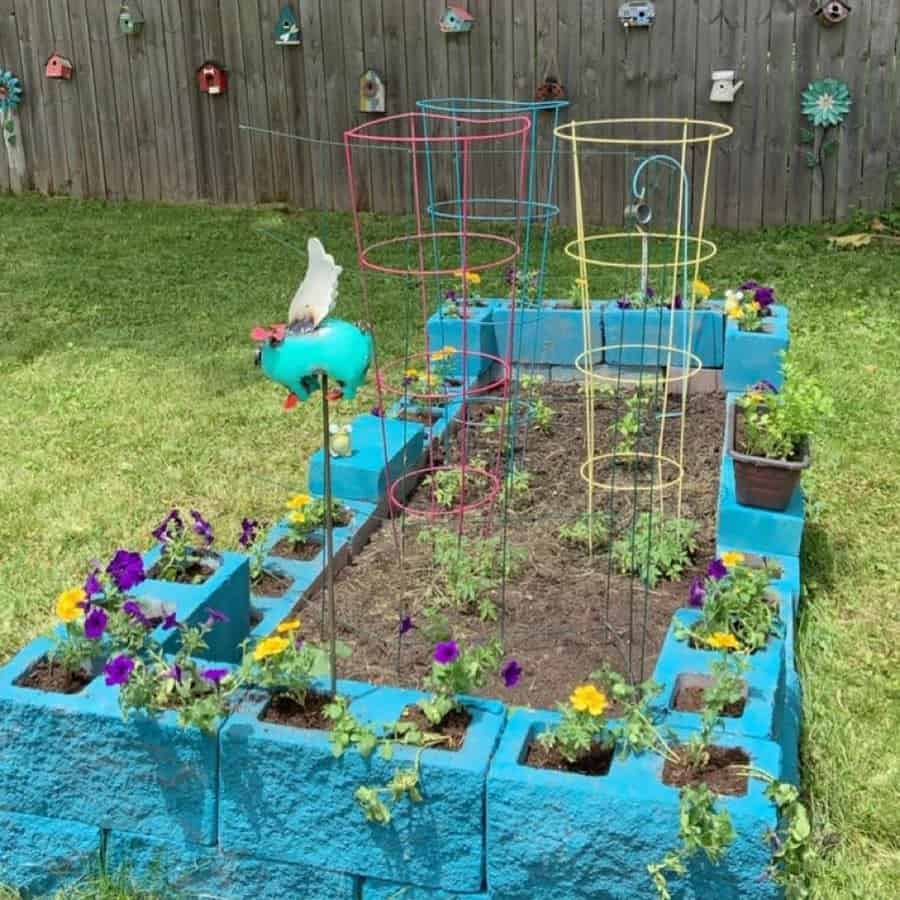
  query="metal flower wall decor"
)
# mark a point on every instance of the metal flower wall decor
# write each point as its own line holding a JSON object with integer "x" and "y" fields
{"x": 825, "y": 103}
{"x": 10, "y": 91}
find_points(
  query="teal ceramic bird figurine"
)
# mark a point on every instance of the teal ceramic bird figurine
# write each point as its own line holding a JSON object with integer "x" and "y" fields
{"x": 340, "y": 443}
{"x": 313, "y": 343}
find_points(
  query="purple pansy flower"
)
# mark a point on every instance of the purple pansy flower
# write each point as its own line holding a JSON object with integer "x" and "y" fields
{"x": 623, "y": 303}
{"x": 717, "y": 570}
{"x": 446, "y": 652}
{"x": 95, "y": 624}
{"x": 406, "y": 624}
{"x": 450, "y": 296}
{"x": 750, "y": 285}
{"x": 764, "y": 296}
{"x": 678, "y": 303}
{"x": 174, "y": 673}
{"x": 248, "y": 532}
{"x": 202, "y": 527}
{"x": 511, "y": 276}
{"x": 170, "y": 621}
{"x": 764, "y": 386}
{"x": 118, "y": 670}
{"x": 135, "y": 611}
{"x": 697, "y": 594}
{"x": 126, "y": 569}
{"x": 92, "y": 584}
{"x": 161, "y": 532}
{"x": 214, "y": 616}
{"x": 377, "y": 411}
{"x": 214, "y": 676}
{"x": 511, "y": 672}
{"x": 650, "y": 294}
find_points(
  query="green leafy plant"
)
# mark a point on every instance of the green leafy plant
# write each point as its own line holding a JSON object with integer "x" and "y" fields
{"x": 182, "y": 548}
{"x": 588, "y": 531}
{"x": 792, "y": 847}
{"x": 632, "y": 424}
{"x": 517, "y": 484}
{"x": 308, "y": 514}
{"x": 777, "y": 424}
{"x": 446, "y": 486}
{"x": 656, "y": 549}
{"x": 456, "y": 671}
{"x": 581, "y": 726}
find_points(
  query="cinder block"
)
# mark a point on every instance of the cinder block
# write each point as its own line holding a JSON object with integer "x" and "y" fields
{"x": 391, "y": 890}
{"x": 764, "y": 680}
{"x": 363, "y": 475}
{"x": 761, "y": 531}
{"x": 756, "y": 356}
{"x": 40, "y": 856}
{"x": 226, "y": 590}
{"x": 564, "y": 836}
{"x": 71, "y": 756}
{"x": 649, "y": 328}
{"x": 478, "y": 330}
{"x": 438, "y": 843}
{"x": 200, "y": 873}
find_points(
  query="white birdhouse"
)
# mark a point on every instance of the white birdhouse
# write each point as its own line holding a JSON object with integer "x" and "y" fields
{"x": 724, "y": 87}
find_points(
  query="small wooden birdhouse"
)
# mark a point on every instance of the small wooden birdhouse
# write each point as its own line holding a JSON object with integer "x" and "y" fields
{"x": 371, "y": 92}
{"x": 832, "y": 12}
{"x": 551, "y": 89}
{"x": 131, "y": 22}
{"x": 287, "y": 28}
{"x": 724, "y": 87}
{"x": 637, "y": 14}
{"x": 456, "y": 20}
{"x": 59, "y": 67}
{"x": 212, "y": 78}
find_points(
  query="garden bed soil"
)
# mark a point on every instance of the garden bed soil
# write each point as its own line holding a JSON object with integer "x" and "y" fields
{"x": 453, "y": 726}
{"x": 596, "y": 761}
{"x": 54, "y": 678}
{"x": 720, "y": 774}
{"x": 304, "y": 552}
{"x": 565, "y": 613}
{"x": 284, "y": 710}
{"x": 423, "y": 416}
{"x": 271, "y": 585}
{"x": 690, "y": 698}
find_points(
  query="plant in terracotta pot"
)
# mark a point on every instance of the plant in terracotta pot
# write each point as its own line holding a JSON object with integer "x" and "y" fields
{"x": 769, "y": 436}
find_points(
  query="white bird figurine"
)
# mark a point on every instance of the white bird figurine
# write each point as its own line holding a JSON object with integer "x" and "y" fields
{"x": 317, "y": 294}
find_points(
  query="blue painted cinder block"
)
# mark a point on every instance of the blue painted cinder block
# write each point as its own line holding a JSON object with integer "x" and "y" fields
{"x": 547, "y": 336}
{"x": 361, "y": 476}
{"x": 790, "y": 726}
{"x": 192, "y": 871}
{"x": 226, "y": 590}
{"x": 562, "y": 836}
{"x": 391, "y": 890}
{"x": 754, "y": 356}
{"x": 762, "y": 531}
{"x": 40, "y": 856}
{"x": 764, "y": 680}
{"x": 436, "y": 843}
{"x": 447, "y": 331}
{"x": 650, "y": 328}
{"x": 72, "y": 757}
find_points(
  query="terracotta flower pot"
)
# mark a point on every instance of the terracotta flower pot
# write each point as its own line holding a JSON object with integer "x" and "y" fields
{"x": 760, "y": 481}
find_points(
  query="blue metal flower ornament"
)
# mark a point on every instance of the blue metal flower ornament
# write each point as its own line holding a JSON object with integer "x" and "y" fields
{"x": 10, "y": 91}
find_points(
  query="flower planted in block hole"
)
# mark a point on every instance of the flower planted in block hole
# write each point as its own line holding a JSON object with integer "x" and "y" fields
{"x": 750, "y": 306}
{"x": 768, "y": 434}
{"x": 186, "y": 556}
{"x": 306, "y": 522}
{"x": 737, "y": 612}
{"x": 264, "y": 582}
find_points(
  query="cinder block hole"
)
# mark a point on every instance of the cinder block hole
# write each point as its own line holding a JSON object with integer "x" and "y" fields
{"x": 723, "y": 774}
{"x": 690, "y": 694}
{"x": 270, "y": 583}
{"x": 302, "y": 552}
{"x": 595, "y": 762}
{"x": 43, "y": 675}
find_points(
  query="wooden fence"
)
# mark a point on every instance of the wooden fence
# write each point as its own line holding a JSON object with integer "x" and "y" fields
{"x": 133, "y": 124}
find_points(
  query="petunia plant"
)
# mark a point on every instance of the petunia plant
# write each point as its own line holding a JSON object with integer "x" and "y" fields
{"x": 183, "y": 547}
{"x": 736, "y": 611}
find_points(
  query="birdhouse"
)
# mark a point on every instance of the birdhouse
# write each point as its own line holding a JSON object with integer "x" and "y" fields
{"x": 371, "y": 92}
{"x": 212, "y": 78}
{"x": 637, "y": 14}
{"x": 456, "y": 20}
{"x": 287, "y": 28}
{"x": 131, "y": 22}
{"x": 832, "y": 12}
{"x": 59, "y": 67}
{"x": 724, "y": 87}
{"x": 551, "y": 89}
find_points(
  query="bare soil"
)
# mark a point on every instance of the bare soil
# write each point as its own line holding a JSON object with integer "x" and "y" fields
{"x": 720, "y": 774}
{"x": 47, "y": 676}
{"x": 284, "y": 710}
{"x": 597, "y": 761}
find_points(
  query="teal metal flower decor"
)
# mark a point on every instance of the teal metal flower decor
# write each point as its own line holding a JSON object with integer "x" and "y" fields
{"x": 826, "y": 102}
{"x": 10, "y": 91}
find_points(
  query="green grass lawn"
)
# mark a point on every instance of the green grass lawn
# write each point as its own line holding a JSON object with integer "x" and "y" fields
{"x": 128, "y": 387}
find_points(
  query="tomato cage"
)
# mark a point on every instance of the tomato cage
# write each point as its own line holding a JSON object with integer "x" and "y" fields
{"x": 421, "y": 250}
{"x": 649, "y": 179}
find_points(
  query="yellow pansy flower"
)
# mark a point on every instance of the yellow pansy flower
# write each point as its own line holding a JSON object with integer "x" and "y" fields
{"x": 702, "y": 289}
{"x": 297, "y": 518}
{"x": 288, "y": 627}
{"x": 411, "y": 373}
{"x": 732, "y": 558}
{"x": 586, "y": 698}
{"x": 736, "y": 313}
{"x": 67, "y": 604}
{"x": 471, "y": 277}
{"x": 755, "y": 306}
{"x": 270, "y": 646}
{"x": 443, "y": 353}
{"x": 723, "y": 640}
{"x": 298, "y": 501}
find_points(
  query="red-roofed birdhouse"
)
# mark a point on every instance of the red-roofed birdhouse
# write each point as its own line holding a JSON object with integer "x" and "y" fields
{"x": 59, "y": 67}
{"x": 456, "y": 20}
{"x": 212, "y": 78}
{"x": 832, "y": 12}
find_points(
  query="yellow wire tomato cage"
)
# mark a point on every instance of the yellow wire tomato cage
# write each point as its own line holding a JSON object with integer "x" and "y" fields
{"x": 670, "y": 148}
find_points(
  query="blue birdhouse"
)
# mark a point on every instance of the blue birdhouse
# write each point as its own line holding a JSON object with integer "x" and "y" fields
{"x": 287, "y": 28}
{"x": 456, "y": 20}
